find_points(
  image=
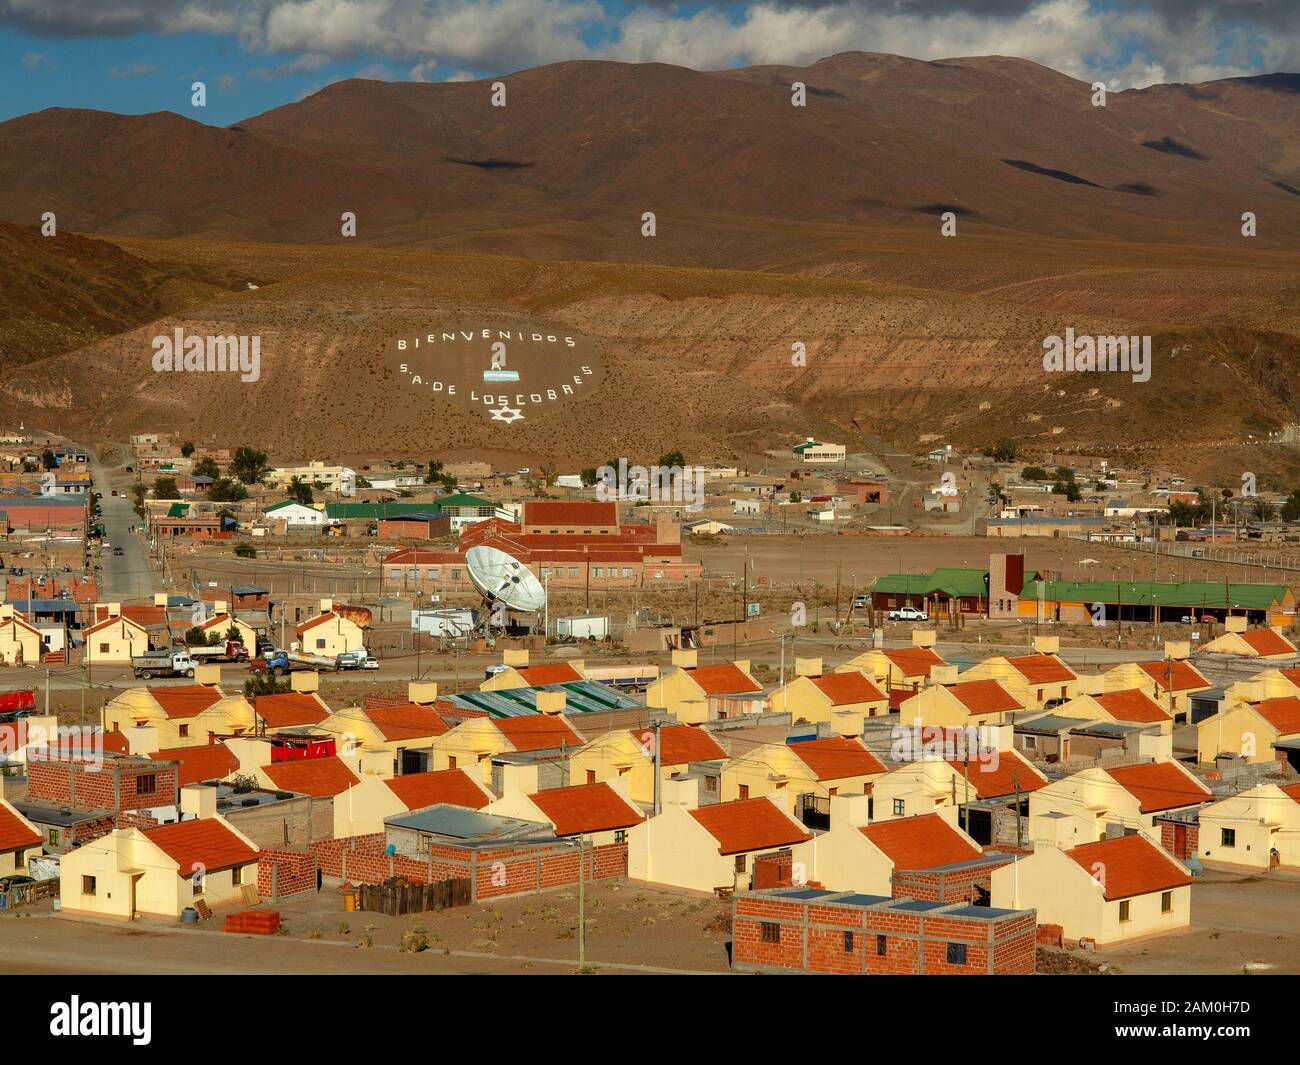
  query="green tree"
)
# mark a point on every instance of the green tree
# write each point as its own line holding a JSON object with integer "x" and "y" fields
{"x": 589, "y": 477}
{"x": 673, "y": 458}
{"x": 1068, "y": 489}
{"x": 300, "y": 491}
{"x": 207, "y": 467}
{"x": 249, "y": 465}
{"x": 1034, "y": 473}
{"x": 265, "y": 684}
{"x": 1003, "y": 451}
{"x": 243, "y": 550}
{"x": 165, "y": 488}
{"x": 48, "y": 460}
{"x": 187, "y": 449}
{"x": 225, "y": 490}
{"x": 137, "y": 499}
{"x": 1291, "y": 508}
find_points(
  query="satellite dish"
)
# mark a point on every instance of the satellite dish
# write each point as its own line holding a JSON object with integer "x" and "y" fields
{"x": 504, "y": 579}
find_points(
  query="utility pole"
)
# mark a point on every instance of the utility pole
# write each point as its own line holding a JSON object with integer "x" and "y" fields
{"x": 657, "y": 766}
{"x": 582, "y": 902}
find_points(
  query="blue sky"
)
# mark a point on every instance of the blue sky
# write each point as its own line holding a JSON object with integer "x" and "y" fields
{"x": 143, "y": 55}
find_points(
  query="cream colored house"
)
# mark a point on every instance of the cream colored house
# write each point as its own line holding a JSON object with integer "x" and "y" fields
{"x": 1265, "y": 643}
{"x": 943, "y": 787}
{"x": 156, "y": 873}
{"x": 629, "y": 755}
{"x": 599, "y": 813}
{"x": 360, "y": 810}
{"x": 702, "y": 848}
{"x": 473, "y": 743}
{"x": 329, "y": 633}
{"x": 391, "y": 725}
{"x": 20, "y": 840}
{"x": 842, "y": 700}
{"x": 952, "y": 703}
{"x": 1109, "y": 891}
{"x": 1170, "y": 682}
{"x": 1127, "y": 797}
{"x": 1248, "y": 730}
{"x": 20, "y": 641}
{"x": 116, "y": 639}
{"x": 519, "y": 674}
{"x": 857, "y": 856}
{"x": 221, "y": 623}
{"x": 153, "y": 717}
{"x": 685, "y": 690}
{"x": 1257, "y": 830}
{"x": 902, "y": 668}
{"x": 803, "y": 773}
{"x": 1033, "y": 680}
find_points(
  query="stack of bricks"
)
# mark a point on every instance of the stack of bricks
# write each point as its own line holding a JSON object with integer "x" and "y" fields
{"x": 254, "y": 922}
{"x": 813, "y": 930}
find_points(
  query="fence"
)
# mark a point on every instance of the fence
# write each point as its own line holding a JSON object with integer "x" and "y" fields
{"x": 400, "y": 895}
{"x": 25, "y": 894}
{"x": 1202, "y": 552}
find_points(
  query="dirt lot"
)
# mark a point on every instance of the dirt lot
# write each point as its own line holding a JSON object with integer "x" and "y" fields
{"x": 630, "y": 928}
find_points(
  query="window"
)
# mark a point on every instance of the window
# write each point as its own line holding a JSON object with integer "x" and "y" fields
{"x": 710, "y": 783}
{"x": 956, "y": 953}
{"x": 451, "y": 762}
{"x": 88, "y": 885}
{"x": 770, "y": 932}
{"x": 196, "y": 884}
{"x": 591, "y": 776}
{"x": 103, "y": 648}
{"x": 848, "y": 942}
{"x": 146, "y": 784}
{"x": 1227, "y": 837}
{"x": 1123, "y": 911}
{"x": 599, "y": 572}
{"x": 740, "y": 863}
{"x": 1166, "y": 902}
{"x": 320, "y": 645}
{"x": 899, "y": 807}
{"x": 183, "y": 730}
{"x": 54, "y": 837}
{"x": 620, "y": 836}
{"x": 1029, "y": 743}
{"x": 744, "y": 791}
{"x": 882, "y": 945}
{"x": 237, "y": 875}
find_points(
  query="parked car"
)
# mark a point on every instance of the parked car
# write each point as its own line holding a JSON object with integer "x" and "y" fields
{"x": 117, "y": 551}
{"x": 861, "y": 602}
{"x": 1206, "y": 619}
{"x": 1051, "y": 704}
{"x": 370, "y": 663}
{"x": 908, "y": 613}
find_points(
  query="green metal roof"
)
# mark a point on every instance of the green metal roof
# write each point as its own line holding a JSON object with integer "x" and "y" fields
{"x": 950, "y": 580}
{"x": 460, "y": 499}
{"x": 1149, "y": 593}
{"x": 177, "y": 510}
{"x": 377, "y": 510}
{"x": 286, "y": 503}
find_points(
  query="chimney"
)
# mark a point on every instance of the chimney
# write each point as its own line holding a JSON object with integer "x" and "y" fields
{"x": 199, "y": 800}
{"x": 1236, "y": 623}
{"x": 742, "y": 664}
{"x": 551, "y": 702}
{"x": 847, "y": 723}
{"x": 423, "y": 692}
{"x": 1054, "y": 830}
{"x": 372, "y": 762}
{"x": 141, "y": 739}
{"x": 666, "y": 529}
{"x": 685, "y": 658}
{"x": 516, "y": 658}
{"x": 924, "y": 637}
{"x": 1092, "y": 683}
{"x": 326, "y": 605}
{"x": 807, "y": 667}
{"x": 1178, "y": 650}
{"x": 1047, "y": 645}
{"x": 208, "y": 674}
{"x": 306, "y": 682}
{"x": 114, "y": 609}
{"x": 849, "y": 811}
{"x": 1250, "y": 691}
{"x": 683, "y": 791}
{"x": 160, "y": 599}
{"x": 943, "y": 674}
{"x": 517, "y": 779}
{"x": 219, "y": 607}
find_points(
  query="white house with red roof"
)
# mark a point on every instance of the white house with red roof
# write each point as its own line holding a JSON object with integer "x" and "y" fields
{"x": 628, "y": 755}
{"x": 20, "y": 841}
{"x": 842, "y": 700}
{"x": 599, "y": 813}
{"x": 158, "y": 872}
{"x": 685, "y": 690}
{"x": 330, "y": 633}
{"x": 1264, "y": 643}
{"x": 1033, "y": 680}
{"x": 518, "y": 672}
{"x": 360, "y": 809}
{"x": 803, "y": 776}
{"x": 1097, "y": 802}
{"x": 953, "y": 702}
{"x": 1257, "y": 829}
{"x": 1170, "y": 681}
{"x": 703, "y": 848}
{"x": 1107, "y": 891}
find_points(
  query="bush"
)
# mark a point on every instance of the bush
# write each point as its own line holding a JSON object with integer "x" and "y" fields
{"x": 243, "y": 550}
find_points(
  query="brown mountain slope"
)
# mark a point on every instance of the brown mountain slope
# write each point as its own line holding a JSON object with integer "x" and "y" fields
{"x": 566, "y": 169}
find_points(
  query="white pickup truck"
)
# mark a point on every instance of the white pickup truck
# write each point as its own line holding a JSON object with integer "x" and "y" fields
{"x": 908, "y": 613}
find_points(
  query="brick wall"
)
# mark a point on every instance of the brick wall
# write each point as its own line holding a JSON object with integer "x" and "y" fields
{"x": 967, "y": 884}
{"x": 103, "y": 787}
{"x": 495, "y": 872}
{"x": 819, "y": 935}
{"x": 281, "y": 874}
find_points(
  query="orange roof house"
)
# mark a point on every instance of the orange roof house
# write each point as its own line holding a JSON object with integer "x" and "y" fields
{"x": 200, "y": 762}
{"x": 585, "y": 810}
{"x": 454, "y": 787}
{"x": 289, "y": 710}
{"x": 686, "y": 690}
{"x": 321, "y": 778}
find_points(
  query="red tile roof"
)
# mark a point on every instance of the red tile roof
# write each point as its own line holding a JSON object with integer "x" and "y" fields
{"x": 290, "y": 709}
{"x": 1159, "y": 786}
{"x": 586, "y": 808}
{"x": 1004, "y": 775}
{"x": 407, "y": 721}
{"x": 184, "y": 701}
{"x": 920, "y": 842}
{"x": 1293, "y": 790}
{"x": 1185, "y": 675}
{"x": 537, "y": 732}
{"x": 1133, "y": 705}
{"x": 207, "y": 761}
{"x": 1043, "y": 669}
{"x": 452, "y": 786}
{"x": 749, "y": 825}
{"x": 548, "y": 673}
{"x": 914, "y": 661}
{"x": 981, "y": 697}
{"x": 1129, "y": 865}
{"x": 844, "y": 689}
{"x": 1283, "y": 714}
{"x": 14, "y": 833}
{"x": 108, "y": 623}
{"x": 679, "y": 744}
{"x": 724, "y": 679}
{"x": 1266, "y": 642}
{"x": 319, "y": 619}
{"x": 204, "y": 845}
{"x": 320, "y": 778}
{"x": 831, "y": 759}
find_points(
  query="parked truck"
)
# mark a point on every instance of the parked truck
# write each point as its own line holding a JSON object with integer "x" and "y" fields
{"x": 230, "y": 651}
{"x": 163, "y": 663}
{"x": 280, "y": 663}
{"x": 582, "y": 627}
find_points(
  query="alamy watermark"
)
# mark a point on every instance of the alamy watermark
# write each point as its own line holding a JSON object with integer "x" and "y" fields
{"x": 657, "y": 484}
{"x": 179, "y": 353}
{"x": 1101, "y": 354}
{"x": 975, "y": 744}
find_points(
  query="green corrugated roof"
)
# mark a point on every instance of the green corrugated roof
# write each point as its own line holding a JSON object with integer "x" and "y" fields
{"x": 1148, "y": 593}
{"x": 953, "y": 581}
{"x": 460, "y": 499}
{"x": 177, "y": 510}
{"x": 339, "y": 511}
{"x": 286, "y": 503}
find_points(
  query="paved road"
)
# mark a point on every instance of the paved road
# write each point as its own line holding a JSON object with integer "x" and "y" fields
{"x": 127, "y": 576}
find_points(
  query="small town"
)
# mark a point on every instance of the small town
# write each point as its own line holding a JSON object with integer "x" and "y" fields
{"x": 525, "y": 719}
